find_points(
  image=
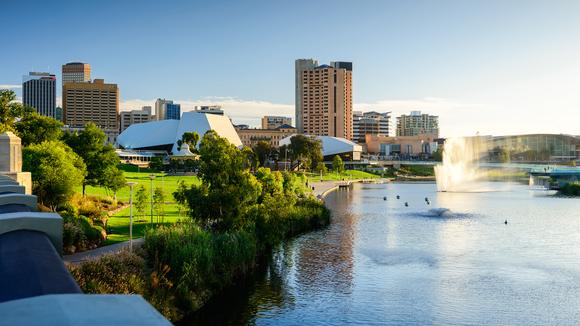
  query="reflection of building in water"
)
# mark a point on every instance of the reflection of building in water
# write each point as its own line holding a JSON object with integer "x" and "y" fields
{"x": 331, "y": 254}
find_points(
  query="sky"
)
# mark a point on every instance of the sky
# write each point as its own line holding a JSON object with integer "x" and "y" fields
{"x": 492, "y": 67}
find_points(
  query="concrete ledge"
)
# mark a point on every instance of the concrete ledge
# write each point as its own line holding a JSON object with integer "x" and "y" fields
{"x": 13, "y": 188}
{"x": 48, "y": 223}
{"x": 81, "y": 309}
{"x": 8, "y": 182}
{"x": 28, "y": 200}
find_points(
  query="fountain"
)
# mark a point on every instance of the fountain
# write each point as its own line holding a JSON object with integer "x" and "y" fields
{"x": 460, "y": 170}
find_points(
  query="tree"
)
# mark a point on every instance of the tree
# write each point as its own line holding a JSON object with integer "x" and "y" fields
{"x": 337, "y": 164}
{"x": 321, "y": 167}
{"x": 228, "y": 188}
{"x": 263, "y": 151}
{"x": 98, "y": 156}
{"x": 10, "y": 110}
{"x": 56, "y": 171}
{"x": 156, "y": 163}
{"x": 438, "y": 155}
{"x": 141, "y": 199}
{"x": 189, "y": 138}
{"x": 307, "y": 150}
{"x": 34, "y": 128}
{"x": 159, "y": 202}
{"x": 114, "y": 179}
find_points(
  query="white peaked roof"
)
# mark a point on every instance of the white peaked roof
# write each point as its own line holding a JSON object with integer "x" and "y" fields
{"x": 168, "y": 132}
{"x": 330, "y": 145}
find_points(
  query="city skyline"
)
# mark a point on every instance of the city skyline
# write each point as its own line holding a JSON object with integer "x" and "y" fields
{"x": 479, "y": 66}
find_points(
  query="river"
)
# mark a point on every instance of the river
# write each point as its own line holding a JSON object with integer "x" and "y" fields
{"x": 452, "y": 260}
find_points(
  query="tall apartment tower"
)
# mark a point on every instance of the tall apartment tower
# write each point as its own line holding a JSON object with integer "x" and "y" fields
{"x": 95, "y": 102}
{"x": 417, "y": 124}
{"x": 76, "y": 72}
{"x": 39, "y": 92}
{"x": 128, "y": 118}
{"x": 161, "y": 108}
{"x": 324, "y": 98}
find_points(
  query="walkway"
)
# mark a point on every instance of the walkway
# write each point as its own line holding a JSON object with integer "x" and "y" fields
{"x": 80, "y": 257}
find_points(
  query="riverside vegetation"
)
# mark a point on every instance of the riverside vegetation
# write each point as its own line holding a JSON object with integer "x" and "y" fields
{"x": 235, "y": 218}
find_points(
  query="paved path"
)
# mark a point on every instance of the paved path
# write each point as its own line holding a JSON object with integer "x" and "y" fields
{"x": 80, "y": 257}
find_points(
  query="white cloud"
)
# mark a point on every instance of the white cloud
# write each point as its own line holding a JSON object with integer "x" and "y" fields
{"x": 8, "y": 86}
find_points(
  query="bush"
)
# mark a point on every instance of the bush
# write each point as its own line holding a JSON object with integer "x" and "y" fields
{"x": 570, "y": 189}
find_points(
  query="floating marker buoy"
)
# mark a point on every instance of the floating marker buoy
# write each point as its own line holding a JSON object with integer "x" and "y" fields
{"x": 426, "y": 199}
{"x": 406, "y": 204}
{"x": 505, "y": 222}
{"x": 398, "y": 197}
{"x": 384, "y": 198}
{"x": 428, "y": 203}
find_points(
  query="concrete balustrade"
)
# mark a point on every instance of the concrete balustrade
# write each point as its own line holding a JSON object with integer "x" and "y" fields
{"x": 13, "y": 189}
{"x": 8, "y": 182}
{"x": 19, "y": 199}
{"x": 48, "y": 223}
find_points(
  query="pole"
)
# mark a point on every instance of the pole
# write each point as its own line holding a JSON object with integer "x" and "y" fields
{"x": 131, "y": 216}
{"x": 286, "y": 160}
{"x": 151, "y": 177}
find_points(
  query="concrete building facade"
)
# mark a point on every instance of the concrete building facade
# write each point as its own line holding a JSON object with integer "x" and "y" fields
{"x": 417, "y": 123}
{"x": 251, "y": 137}
{"x": 39, "y": 92}
{"x": 324, "y": 98}
{"x": 401, "y": 146}
{"x": 127, "y": 118}
{"x": 370, "y": 123}
{"x": 273, "y": 122}
{"x": 95, "y": 102}
{"x": 209, "y": 109}
{"x": 78, "y": 72}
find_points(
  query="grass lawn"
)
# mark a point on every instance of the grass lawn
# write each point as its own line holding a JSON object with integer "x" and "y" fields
{"x": 118, "y": 224}
{"x": 348, "y": 174}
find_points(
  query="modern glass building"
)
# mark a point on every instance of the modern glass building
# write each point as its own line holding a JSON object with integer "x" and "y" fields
{"x": 172, "y": 111}
{"x": 39, "y": 92}
{"x": 535, "y": 147}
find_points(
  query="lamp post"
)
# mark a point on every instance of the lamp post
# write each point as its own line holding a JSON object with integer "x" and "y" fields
{"x": 131, "y": 184}
{"x": 151, "y": 177}
{"x": 286, "y": 160}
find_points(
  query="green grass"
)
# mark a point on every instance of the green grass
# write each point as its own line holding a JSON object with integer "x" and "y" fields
{"x": 348, "y": 174}
{"x": 118, "y": 224}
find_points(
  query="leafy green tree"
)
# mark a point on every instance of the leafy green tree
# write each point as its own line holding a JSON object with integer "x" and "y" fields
{"x": 141, "y": 199}
{"x": 159, "y": 202}
{"x": 272, "y": 182}
{"x": 438, "y": 155}
{"x": 321, "y": 168}
{"x": 306, "y": 150}
{"x": 98, "y": 156}
{"x": 228, "y": 188}
{"x": 189, "y": 138}
{"x": 56, "y": 171}
{"x": 114, "y": 179}
{"x": 10, "y": 110}
{"x": 337, "y": 164}
{"x": 263, "y": 151}
{"x": 34, "y": 128}
{"x": 156, "y": 163}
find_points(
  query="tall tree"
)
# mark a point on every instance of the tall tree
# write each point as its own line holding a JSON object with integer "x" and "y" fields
{"x": 10, "y": 110}
{"x": 34, "y": 128}
{"x": 307, "y": 150}
{"x": 98, "y": 156}
{"x": 114, "y": 179}
{"x": 159, "y": 203}
{"x": 55, "y": 169}
{"x": 264, "y": 151}
{"x": 141, "y": 198}
{"x": 337, "y": 164}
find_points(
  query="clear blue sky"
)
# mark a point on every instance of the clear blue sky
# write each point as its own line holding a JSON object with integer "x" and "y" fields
{"x": 473, "y": 62}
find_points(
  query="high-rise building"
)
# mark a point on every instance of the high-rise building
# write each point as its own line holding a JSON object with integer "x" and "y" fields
{"x": 76, "y": 72}
{"x": 172, "y": 111}
{"x": 273, "y": 122}
{"x": 167, "y": 110}
{"x": 39, "y": 92}
{"x": 370, "y": 123}
{"x": 417, "y": 124}
{"x": 324, "y": 98}
{"x": 95, "y": 102}
{"x": 127, "y": 118}
{"x": 210, "y": 109}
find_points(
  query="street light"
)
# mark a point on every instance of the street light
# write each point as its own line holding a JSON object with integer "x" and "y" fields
{"x": 131, "y": 184}
{"x": 151, "y": 177}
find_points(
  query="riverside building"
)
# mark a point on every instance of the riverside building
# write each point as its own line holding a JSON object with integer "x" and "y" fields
{"x": 370, "y": 123}
{"x": 324, "y": 98}
{"x": 417, "y": 123}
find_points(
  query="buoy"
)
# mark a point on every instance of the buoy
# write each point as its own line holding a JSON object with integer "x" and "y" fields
{"x": 398, "y": 197}
{"x": 384, "y": 198}
{"x": 505, "y": 222}
{"x": 428, "y": 203}
{"x": 426, "y": 199}
{"x": 406, "y": 204}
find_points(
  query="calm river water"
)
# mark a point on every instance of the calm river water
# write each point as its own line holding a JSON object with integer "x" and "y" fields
{"x": 453, "y": 261}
